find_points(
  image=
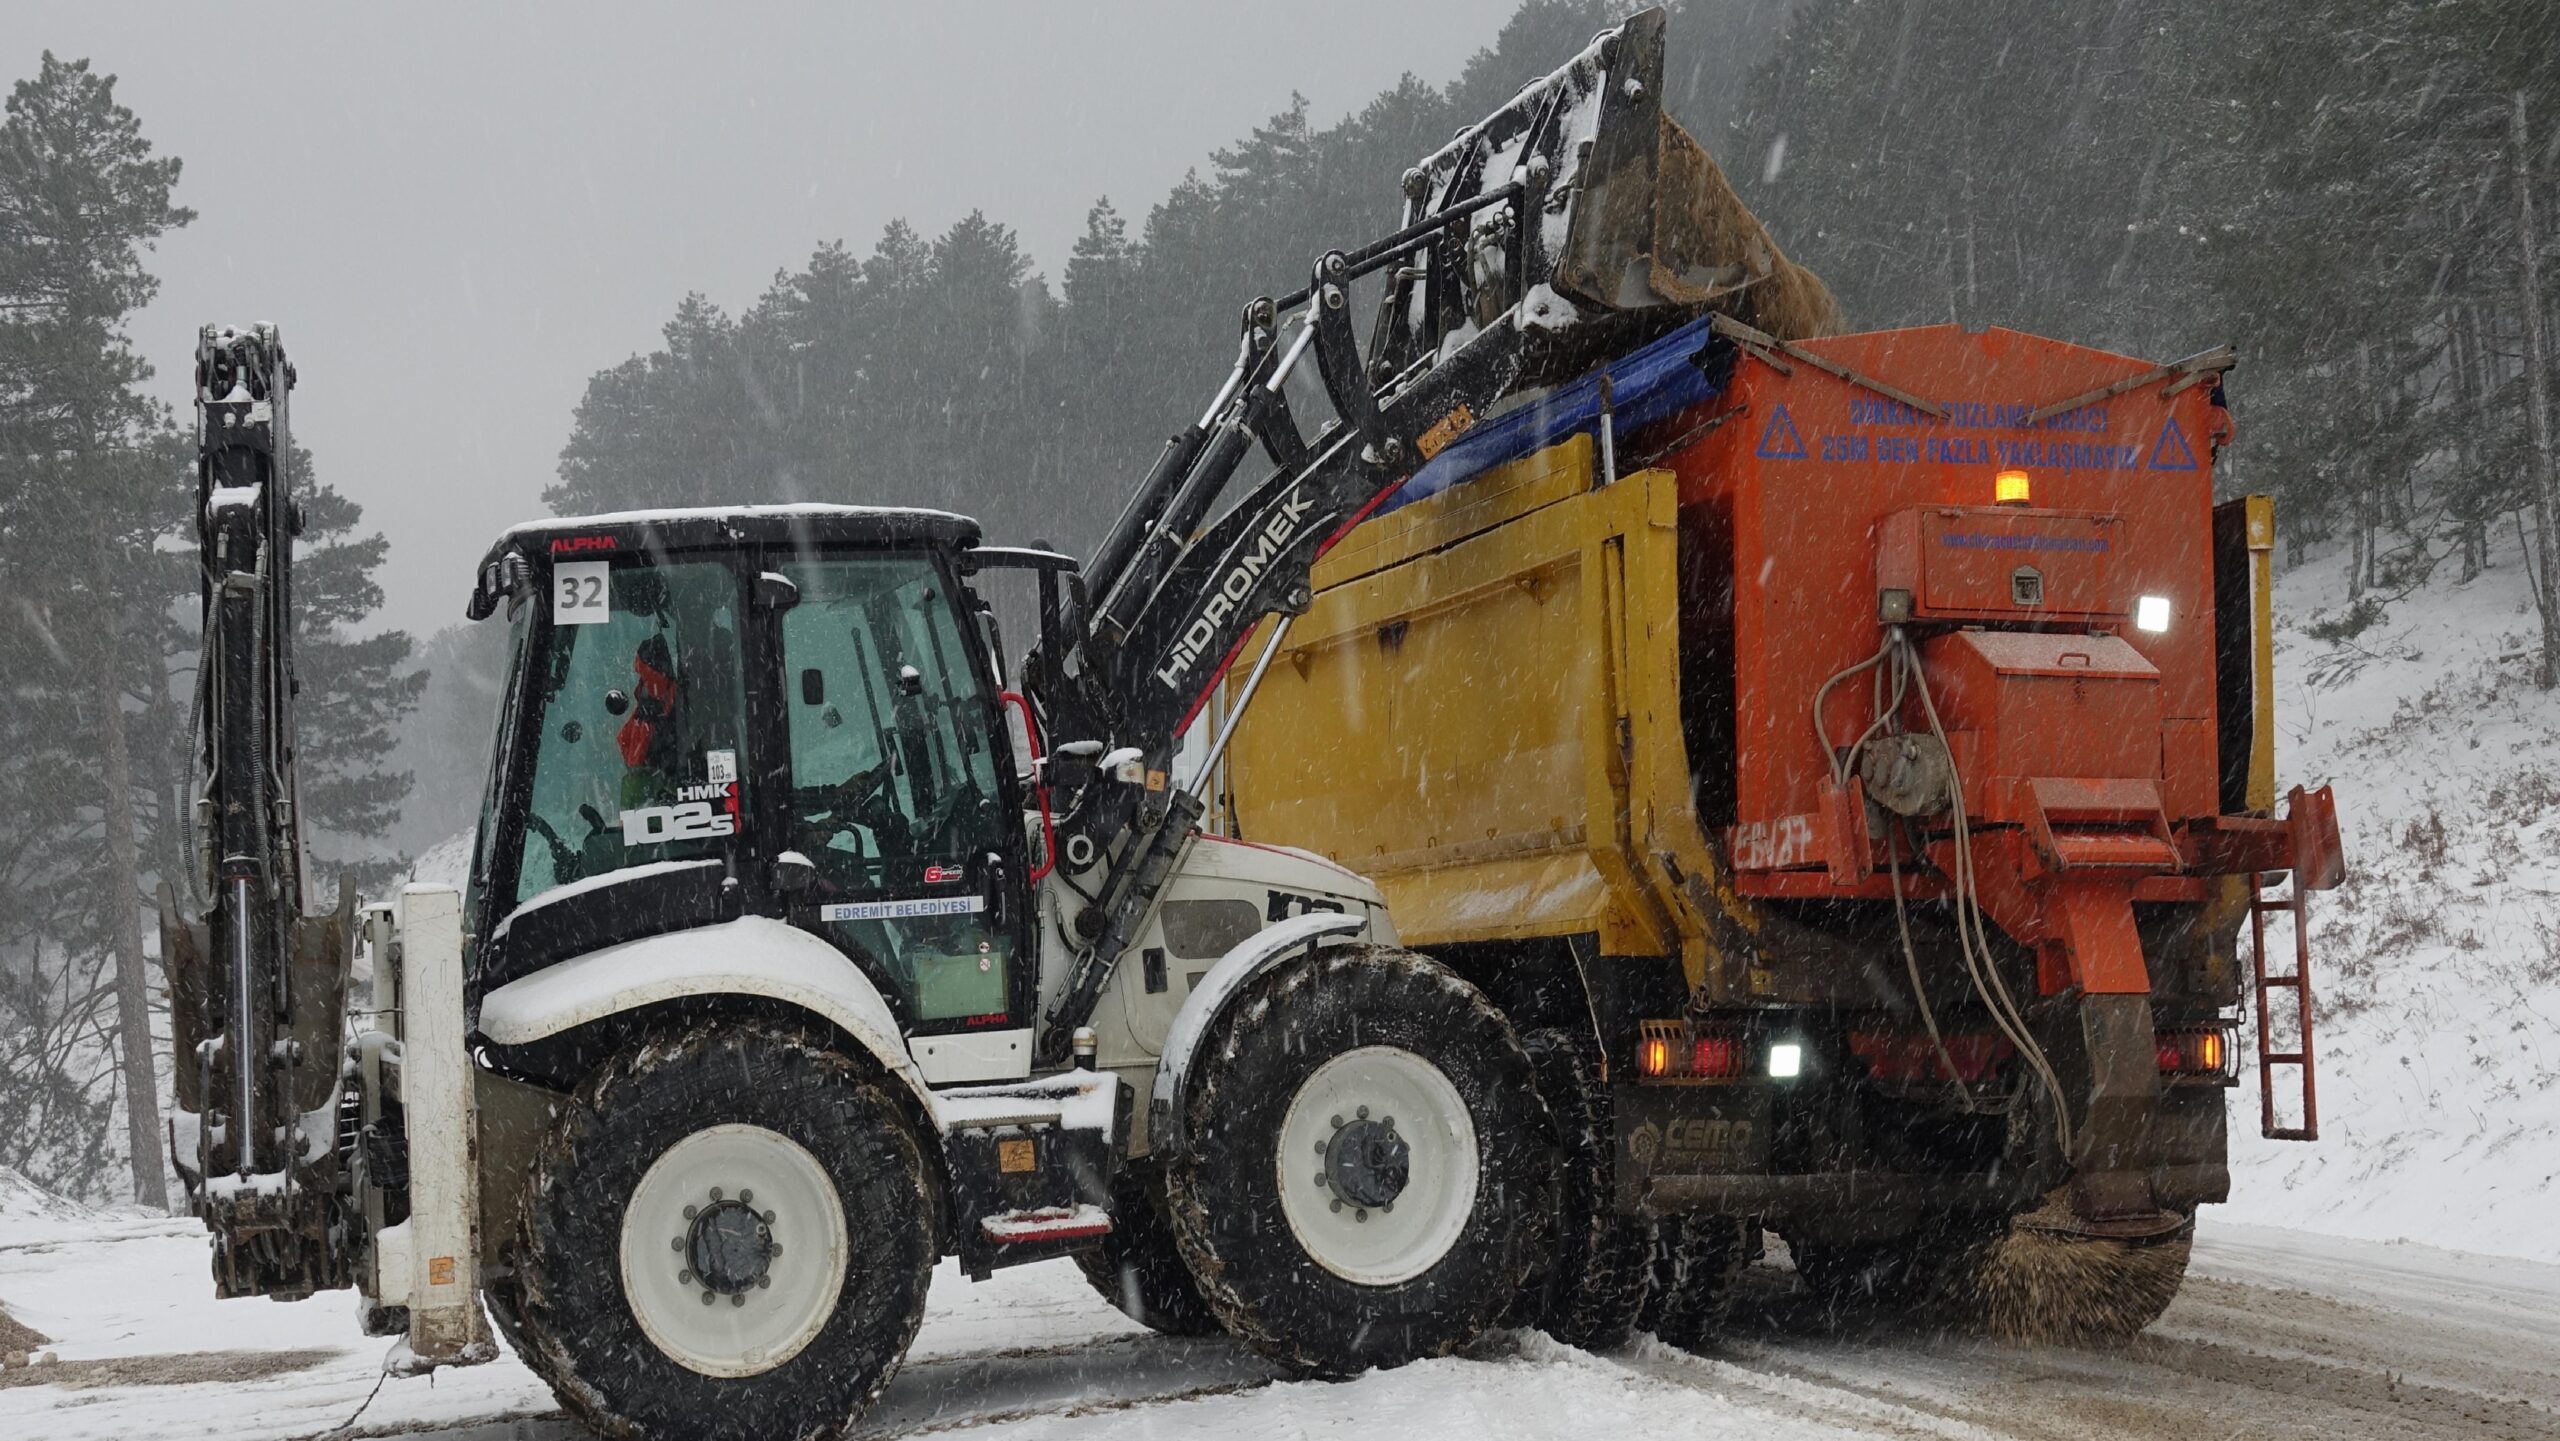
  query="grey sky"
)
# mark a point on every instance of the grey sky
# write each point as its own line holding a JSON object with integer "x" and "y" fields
{"x": 459, "y": 211}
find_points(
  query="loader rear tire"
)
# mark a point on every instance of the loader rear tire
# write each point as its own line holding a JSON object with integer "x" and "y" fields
{"x": 1592, "y": 1288}
{"x": 727, "y": 1233}
{"x": 1367, "y": 1173}
{"x": 1138, "y": 1267}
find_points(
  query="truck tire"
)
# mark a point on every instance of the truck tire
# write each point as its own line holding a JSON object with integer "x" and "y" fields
{"x": 727, "y": 1233}
{"x": 1696, "y": 1260}
{"x": 1138, "y": 1267}
{"x": 1367, "y": 1172}
{"x": 1592, "y": 1288}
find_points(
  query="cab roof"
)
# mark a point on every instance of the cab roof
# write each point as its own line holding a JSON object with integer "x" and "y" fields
{"x": 590, "y": 537}
{"x": 752, "y": 524}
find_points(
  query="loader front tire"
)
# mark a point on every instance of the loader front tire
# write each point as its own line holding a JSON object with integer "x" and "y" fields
{"x": 1366, "y": 1173}
{"x": 728, "y": 1233}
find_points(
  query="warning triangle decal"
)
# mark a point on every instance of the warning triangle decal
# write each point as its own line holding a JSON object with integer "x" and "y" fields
{"x": 2171, "y": 452}
{"x": 1779, "y": 441}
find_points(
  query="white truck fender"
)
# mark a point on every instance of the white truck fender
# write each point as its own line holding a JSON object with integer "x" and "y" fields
{"x": 750, "y": 956}
{"x": 1208, "y": 1001}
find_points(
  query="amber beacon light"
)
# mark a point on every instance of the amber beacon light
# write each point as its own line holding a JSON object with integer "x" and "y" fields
{"x": 2012, "y": 487}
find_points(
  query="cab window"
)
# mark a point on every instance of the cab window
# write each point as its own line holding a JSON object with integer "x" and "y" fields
{"x": 894, "y": 798}
{"x": 637, "y": 721}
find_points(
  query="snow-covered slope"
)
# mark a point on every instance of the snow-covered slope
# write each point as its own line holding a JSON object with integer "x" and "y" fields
{"x": 446, "y": 863}
{"x": 2437, "y": 964}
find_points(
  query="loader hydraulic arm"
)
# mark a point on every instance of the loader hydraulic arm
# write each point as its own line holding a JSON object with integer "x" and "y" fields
{"x": 1526, "y": 249}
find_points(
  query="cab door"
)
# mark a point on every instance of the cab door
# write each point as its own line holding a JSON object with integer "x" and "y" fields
{"x": 617, "y": 807}
{"x": 896, "y": 807}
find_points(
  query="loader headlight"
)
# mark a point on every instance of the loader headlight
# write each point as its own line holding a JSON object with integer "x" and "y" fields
{"x": 2151, "y": 613}
{"x": 1786, "y": 1061}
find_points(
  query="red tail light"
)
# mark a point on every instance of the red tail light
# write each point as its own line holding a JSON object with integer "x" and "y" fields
{"x": 1683, "y": 1052}
{"x": 2208, "y": 1054}
{"x": 1715, "y": 1058}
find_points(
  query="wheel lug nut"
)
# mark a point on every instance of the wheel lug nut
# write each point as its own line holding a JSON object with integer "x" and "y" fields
{"x": 692, "y": 1211}
{"x": 1323, "y": 1149}
{"x": 1359, "y": 1215}
{"x": 768, "y": 1218}
{"x": 715, "y": 1193}
{"x": 1337, "y": 1123}
{"x": 676, "y": 1245}
{"x": 706, "y": 1298}
{"x": 1386, "y": 1205}
{"x": 684, "y": 1278}
{"x": 1364, "y": 1115}
{"x": 1324, "y": 1180}
{"x": 746, "y": 1197}
{"x": 762, "y": 1282}
{"x": 1337, "y": 1203}
{"x": 738, "y": 1298}
{"x": 777, "y": 1249}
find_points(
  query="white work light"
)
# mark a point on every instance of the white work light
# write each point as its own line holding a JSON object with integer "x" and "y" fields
{"x": 2151, "y": 613}
{"x": 1786, "y": 1061}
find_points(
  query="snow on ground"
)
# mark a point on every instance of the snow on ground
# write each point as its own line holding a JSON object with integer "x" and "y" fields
{"x": 2437, "y": 965}
{"x": 1033, "y": 1352}
{"x": 2277, "y": 1335}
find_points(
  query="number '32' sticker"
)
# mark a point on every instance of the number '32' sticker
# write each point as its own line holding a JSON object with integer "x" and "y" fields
{"x": 580, "y": 593}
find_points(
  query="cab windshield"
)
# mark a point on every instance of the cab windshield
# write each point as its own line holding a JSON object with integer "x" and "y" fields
{"x": 636, "y": 715}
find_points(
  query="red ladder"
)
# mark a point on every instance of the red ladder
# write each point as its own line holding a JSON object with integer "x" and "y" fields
{"x": 2298, "y": 901}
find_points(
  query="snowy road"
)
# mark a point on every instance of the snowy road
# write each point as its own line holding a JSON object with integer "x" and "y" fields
{"x": 2278, "y": 1334}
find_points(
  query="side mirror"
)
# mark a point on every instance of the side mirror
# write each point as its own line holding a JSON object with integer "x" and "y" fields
{"x": 1072, "y": 766}
{"x": 793, "y": 873}
{"x": 994, "y": 637}
{"x": 910, "y": 681}
{"x": 776, "y": 592}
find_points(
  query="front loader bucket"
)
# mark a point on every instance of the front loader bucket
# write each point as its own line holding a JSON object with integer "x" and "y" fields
{"x": 1635, "y": 228}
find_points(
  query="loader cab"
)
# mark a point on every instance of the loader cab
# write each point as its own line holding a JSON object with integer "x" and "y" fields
{"x": 790, "y": 712}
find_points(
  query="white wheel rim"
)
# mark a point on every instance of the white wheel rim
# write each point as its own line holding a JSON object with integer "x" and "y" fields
{"x": 763, "y": 1325}
{"x": 1379, "y": 1245}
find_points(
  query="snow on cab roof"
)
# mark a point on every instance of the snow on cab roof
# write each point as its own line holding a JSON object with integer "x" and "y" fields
{"x": 802, "y": 510}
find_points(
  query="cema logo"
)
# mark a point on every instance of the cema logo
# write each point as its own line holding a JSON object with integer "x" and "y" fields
{"x": 1644, "y": 1145}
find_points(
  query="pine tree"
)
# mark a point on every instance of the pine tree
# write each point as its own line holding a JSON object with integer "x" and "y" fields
{"x": 83, "y": 197}
{"x": 99, "y": 638}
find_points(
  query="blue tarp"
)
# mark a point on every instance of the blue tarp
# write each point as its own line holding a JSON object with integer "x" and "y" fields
{"x": 1646, "y": 386}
